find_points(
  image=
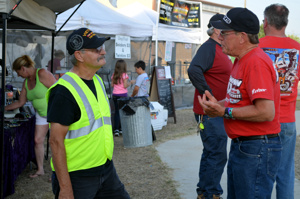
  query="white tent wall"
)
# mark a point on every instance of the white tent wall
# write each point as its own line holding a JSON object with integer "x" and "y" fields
{"x": 21, "y": 42}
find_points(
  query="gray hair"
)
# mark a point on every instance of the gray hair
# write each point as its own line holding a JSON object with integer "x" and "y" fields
{"x": 253, "y": 38}
{"x": 73, "y": 60}
{"x": 277, "y": 15}
{"x": 210, "y": 31}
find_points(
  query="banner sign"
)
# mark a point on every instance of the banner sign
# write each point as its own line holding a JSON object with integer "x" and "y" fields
{"x": 168, "y": 51}
{"x": 122, "y": 47}
{"x": 180, "y": 13}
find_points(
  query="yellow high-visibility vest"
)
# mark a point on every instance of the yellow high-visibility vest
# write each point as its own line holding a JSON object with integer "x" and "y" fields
{"x": 89, "y": 141}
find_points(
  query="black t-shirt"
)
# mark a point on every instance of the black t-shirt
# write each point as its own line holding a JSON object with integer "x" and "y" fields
{"x": 62, "y": 106}
{"x": 63, "y": 109}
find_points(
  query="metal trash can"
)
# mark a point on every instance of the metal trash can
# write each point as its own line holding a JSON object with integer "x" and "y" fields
{"x": 135, "y": 121}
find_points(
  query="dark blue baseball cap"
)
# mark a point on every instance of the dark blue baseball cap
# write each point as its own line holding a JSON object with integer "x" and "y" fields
{"x": 216, "y": 17}
{"x": 84, "y": 38}
{"x": 238, "y": 19}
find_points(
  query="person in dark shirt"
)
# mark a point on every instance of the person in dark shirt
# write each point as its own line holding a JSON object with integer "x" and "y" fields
{"x": 58, "y": 56}
{"x": 210, "y": 70}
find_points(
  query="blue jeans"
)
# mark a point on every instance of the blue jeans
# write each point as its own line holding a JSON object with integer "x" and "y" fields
{"x": 106, "y": 185}
{"x": 214, "y": 156}
{"x": 252, "y": 168}
{"x": 286, "y": 173}
{"x": 117, "y": 123}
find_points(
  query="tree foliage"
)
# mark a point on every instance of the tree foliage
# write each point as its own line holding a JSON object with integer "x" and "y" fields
{"x": 261, "y": 31}
{"x": 295, "y": 37}
{"x": 262, "y": 34}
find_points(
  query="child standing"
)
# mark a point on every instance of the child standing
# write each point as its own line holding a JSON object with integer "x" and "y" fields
{"x": 119, "y": 83}
{"x": 142, "y": 82}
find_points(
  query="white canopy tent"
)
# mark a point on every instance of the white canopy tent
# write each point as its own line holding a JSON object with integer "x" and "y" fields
{"x": 140, "y": 12}
{"x": 104, "y": 20}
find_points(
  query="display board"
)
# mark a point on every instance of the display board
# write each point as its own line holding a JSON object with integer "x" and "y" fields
{"x": 180, "y": 13}
{"x": 161, "y": 90}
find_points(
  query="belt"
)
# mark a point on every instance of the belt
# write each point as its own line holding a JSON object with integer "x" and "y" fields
{"x": 258, "y": 137}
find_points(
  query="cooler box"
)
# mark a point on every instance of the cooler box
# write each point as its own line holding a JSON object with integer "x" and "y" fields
{"x": 159, "y": 116}
{"x": 165, "y": 116}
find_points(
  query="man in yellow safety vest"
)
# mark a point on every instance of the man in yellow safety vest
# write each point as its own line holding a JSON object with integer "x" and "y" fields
{"x": 81, "y": 137}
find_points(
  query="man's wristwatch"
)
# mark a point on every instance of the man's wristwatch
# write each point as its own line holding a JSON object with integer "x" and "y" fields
{"x": 228, "y": 113}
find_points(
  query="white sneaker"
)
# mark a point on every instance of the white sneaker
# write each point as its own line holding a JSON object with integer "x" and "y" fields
{"x": 120, "y": 132}
{"x": 116, "y": 133}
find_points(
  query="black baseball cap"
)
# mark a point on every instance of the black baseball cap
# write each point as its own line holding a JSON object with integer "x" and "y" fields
{"x": 238, "y": 19}
{"x": 84, "y": 38}
{"x": 216, "y": 17}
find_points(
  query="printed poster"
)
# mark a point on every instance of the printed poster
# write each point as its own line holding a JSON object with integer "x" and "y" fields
{"x": 286, "y": 63}
{"x": 122, "y": 47}
{"x": 168, "y": 51}
{"x": 180, "y": 13}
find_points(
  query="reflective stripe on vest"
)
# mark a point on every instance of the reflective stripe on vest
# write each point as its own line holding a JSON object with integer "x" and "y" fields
{"x": 94, "y": 124}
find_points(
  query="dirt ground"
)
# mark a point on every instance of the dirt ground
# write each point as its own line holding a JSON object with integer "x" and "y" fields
{"x": 145, "y": 176}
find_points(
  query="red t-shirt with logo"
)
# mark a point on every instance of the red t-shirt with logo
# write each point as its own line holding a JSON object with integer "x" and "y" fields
{"x": 284, "y": 52}
{"x": 252, "y": 77}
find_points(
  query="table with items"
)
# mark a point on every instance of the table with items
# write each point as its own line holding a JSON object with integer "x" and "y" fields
{"x": 18, "y": 149}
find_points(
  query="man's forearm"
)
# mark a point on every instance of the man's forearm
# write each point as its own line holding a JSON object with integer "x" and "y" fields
{"x": 61, "y": 169}
{"x": 198, "y": 80}
{"x": 263, "y": 110}
{"x": 59, "y": 159}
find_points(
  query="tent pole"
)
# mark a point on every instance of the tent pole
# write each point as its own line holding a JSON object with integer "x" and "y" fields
{"x": 5, "y": 17}
{"x": 52, "y": 51}
{"x": 150, "y": 53}
{"x": 4, "y": 38}
{"x": 15, "y": 6}
{"x": 156, "y": 39}
{"x": 69, "y": 17}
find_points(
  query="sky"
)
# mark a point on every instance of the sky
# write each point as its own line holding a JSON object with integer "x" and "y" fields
{"x": 258, "y": 6}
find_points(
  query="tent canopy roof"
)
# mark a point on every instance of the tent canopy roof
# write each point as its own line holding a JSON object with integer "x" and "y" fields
{"x": 58, "y": 5}
{"x": 103, "y": 20}
{"x": 34, "y": 14}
